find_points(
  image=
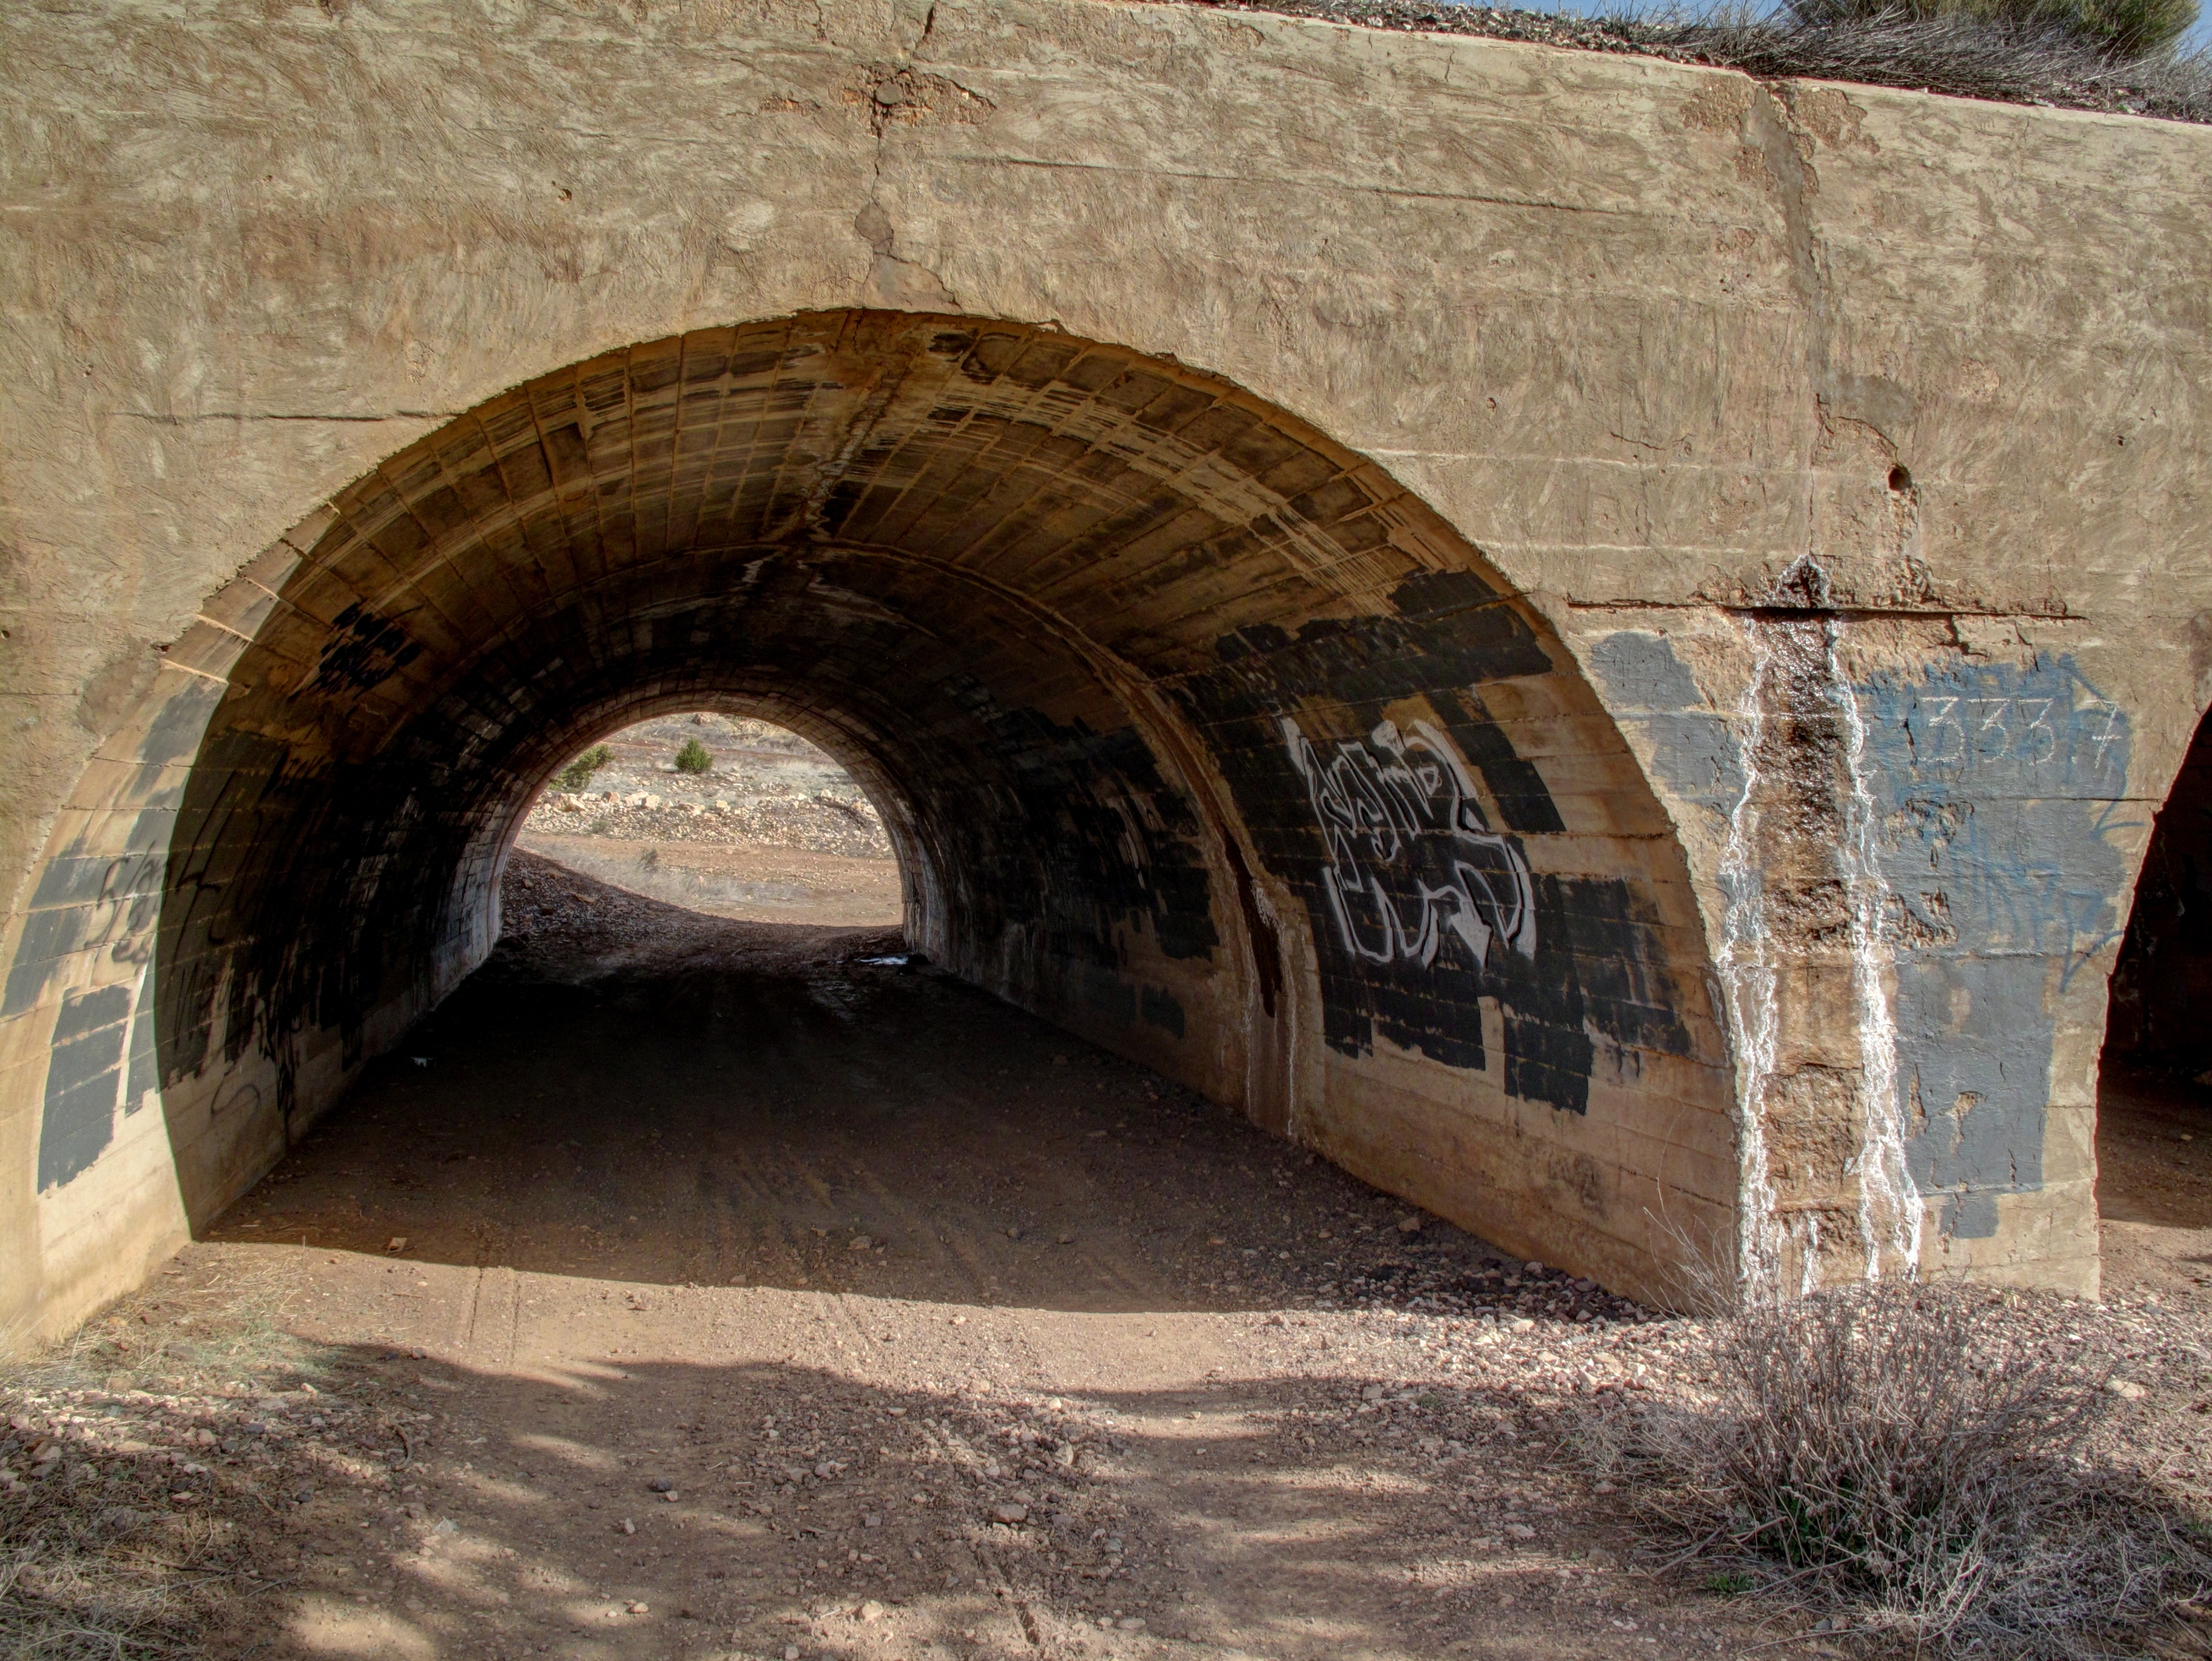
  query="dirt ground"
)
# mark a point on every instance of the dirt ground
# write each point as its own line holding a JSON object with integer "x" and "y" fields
{"x": 740, "y": 879}
{"x": 692, "y": 1286}
{"x": 2155, "y": 1184}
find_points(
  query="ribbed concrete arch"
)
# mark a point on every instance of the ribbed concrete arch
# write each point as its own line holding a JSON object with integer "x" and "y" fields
{"x": 1198, "y": 735}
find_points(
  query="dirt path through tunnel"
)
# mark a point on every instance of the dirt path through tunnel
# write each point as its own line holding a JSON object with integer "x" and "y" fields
{"x": 758, "y": 1300}
{"x": 854, "y": 1258}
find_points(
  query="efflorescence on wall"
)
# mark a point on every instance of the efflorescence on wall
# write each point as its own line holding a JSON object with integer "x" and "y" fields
{"x": 1915, "y": 865}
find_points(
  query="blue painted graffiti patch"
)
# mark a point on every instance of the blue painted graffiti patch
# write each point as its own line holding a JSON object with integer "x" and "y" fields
{"x": 2000, "y": 787}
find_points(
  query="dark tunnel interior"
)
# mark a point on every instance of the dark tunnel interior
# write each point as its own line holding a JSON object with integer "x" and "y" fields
{"x": 1195, "y": 734}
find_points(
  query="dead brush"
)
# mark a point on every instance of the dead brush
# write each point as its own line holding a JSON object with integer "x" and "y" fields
{"x": 88, "y": 1567}
{"x": 1887, "y": 1454}
{"x": 185, "y": 1343}
{"x": 79, "y": 1581}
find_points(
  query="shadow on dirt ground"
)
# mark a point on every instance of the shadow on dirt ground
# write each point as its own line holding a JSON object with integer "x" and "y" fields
{"x": 659, "y": 1097}
{"x": 2154, "y": 1183}
{"x": 361, "y": 1502}
{"x": 697, "y": 1287}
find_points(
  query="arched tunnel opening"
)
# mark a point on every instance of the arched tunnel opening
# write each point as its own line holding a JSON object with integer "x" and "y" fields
{"x": 727, "y": 816}
{"x": 2154, "y": 1076}
{"x": 1196, "y": 735}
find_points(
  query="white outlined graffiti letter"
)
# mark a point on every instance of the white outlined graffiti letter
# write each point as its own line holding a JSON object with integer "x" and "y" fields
{"x": 1412, "y": 860}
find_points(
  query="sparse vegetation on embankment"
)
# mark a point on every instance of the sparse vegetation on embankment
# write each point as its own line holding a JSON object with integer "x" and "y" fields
{"x": 2033, "y": 55}
{"x": 1940, "y": 1467}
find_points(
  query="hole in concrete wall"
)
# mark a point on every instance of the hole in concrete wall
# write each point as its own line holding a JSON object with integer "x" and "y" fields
{"x": 724, "y": 815}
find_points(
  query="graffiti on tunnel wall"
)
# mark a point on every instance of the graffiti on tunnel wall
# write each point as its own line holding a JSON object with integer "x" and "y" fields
{"x": 1430, "y": 922}
{"x": 1997, "y": 800}
{"x": 1412, "y": 860}
{"x": 88, "y": 949}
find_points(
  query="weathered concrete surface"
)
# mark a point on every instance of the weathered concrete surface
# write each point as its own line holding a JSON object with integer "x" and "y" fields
{"x": 1744, "y": 544}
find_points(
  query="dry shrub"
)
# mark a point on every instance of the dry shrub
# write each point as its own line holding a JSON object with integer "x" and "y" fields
{"x": 1887, "y": 1453}
{"x": 2075, "y": 54}
{"x": 2122, "y": 29}
{"x": 2018, "y": 54}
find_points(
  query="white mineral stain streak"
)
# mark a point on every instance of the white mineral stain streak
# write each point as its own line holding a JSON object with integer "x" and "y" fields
{"x": 1889, "y": 1200}
{"x": 1746, "y": 970}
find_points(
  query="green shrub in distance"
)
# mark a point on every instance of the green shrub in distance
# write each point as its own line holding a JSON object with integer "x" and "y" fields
{"x": 694, "y": 757}
{"x": 578, "y": 774}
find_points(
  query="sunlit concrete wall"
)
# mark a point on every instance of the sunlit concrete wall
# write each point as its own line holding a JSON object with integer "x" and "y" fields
{"x": 1846, "y": 443}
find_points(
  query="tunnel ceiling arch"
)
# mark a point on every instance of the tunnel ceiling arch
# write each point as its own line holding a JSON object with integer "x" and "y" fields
{"x": 1207, "y": 741}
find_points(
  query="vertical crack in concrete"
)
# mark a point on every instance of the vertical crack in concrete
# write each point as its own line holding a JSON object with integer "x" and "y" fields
{"x": 1768, "y": 130}
{"x": 895, "y": 282}
{"x": 1888, "y": 1202}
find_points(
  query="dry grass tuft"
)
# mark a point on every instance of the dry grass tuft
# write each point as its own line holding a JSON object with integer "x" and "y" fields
{"x": 1887, "y": 1454}
{"x": 178, "y": 1343}
{"x": 84, "y": 1579}
{"x": 94, "y": 1560}
{"x": 1966, "y": 52}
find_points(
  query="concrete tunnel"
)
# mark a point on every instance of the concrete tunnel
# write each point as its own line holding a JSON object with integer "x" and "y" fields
{"x": 1195, "y": 734}
{"x": 1624, "y": 700}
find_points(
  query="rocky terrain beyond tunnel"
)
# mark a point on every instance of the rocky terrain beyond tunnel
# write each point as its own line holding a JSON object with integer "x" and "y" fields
{"x": 738, "y": 819}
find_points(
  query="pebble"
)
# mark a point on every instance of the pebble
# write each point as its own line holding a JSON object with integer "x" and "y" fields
{"x": 1007, "y": 1511}
{"x": 871, "y": 1610}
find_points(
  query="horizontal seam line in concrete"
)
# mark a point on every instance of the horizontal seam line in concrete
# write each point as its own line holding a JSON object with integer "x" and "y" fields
{"x": 1247, "y": 178}
{"x": 1840, "y": 613}
{"x": 231, "y": 415}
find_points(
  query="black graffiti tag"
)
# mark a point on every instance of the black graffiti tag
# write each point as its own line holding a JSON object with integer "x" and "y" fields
{"x": 1411, "y": 859}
